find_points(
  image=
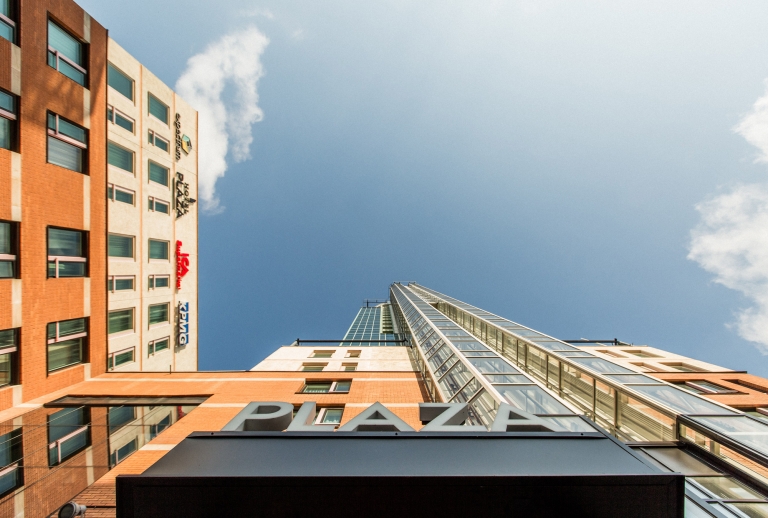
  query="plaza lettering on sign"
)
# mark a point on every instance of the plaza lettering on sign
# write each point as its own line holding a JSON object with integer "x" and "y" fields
{"x": 182, "y": 264}
{"x": 183, "y": 201}
{"x": 182, "y": 331}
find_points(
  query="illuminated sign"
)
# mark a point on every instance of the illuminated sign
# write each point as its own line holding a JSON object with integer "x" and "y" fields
{"x": 277, "y": 416}
{"x": 182, "y": 264}
{"x": 182, "y": 326}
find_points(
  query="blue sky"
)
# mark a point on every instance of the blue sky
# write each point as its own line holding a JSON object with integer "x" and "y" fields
{"x": 542, "y": 160}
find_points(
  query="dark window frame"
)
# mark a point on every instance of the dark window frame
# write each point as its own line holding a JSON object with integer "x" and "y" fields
{"x": 56, "y": 134}
{"x": 14, "y": 256}
{"x": 17, "y": 459}
{"x": 14, "y": 118}
{"x": 57, "y": 258}
{"x": 84, "y": 344}
{"x": 58, "y": 56}
{"x": 84, "y": 428}
{"x": 11, "y": 22}
{"x": 14, "y": 352}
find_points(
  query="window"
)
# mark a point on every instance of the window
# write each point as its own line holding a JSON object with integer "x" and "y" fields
{"x": 329, "y": 416}
{"x": 158, "y": 109}
{"x": 67, "y": 434}
{"x": 67, "y": 143}
{"x": 120, "y": 246}
{"x": 67, "y": 253}
{"x": 682, "y": 367}
{"x": 159, "y": 427}
{"x": 66, "y": 343}
{"x": 156, "y": 205}
{"x": 158, "y": 141}
{"x": 120, "y": 321}
{"x": 704, "y": 387}
{"x": 353, "y": 354}
{"x": 121, "y": 194}
{"x": 313, "y": 367}
{"x": 158, "y": 249}
{"x": 321, "y": 354}
{"x": 639, "y": 353}
{"x": 324, "y": 387}
{"x": 159, "y": 314}
{"x": 120, "y": 283}
{"x": 349, "y": 367}
{"x": 119, "y": 416}
{"x": 7, "y": 116}
{"x": 117, "y": 117}
{"x": 11, "y": 455}
{"x": 66, "y": 54}
{"x": 7, "y": 25}
{"x": 122, "y": 357}
{"x": 155, "y": 346}
{"x": 612, "y": 354}
{"x": 8, "y": 249}
{"x": 159, "y": 281}
{"x": 158, "y": 173}
{"x": 123, "y": 452}
{"x": 119, "y": 81}
{"x": 120, "y": 157}
{"x": 9, "y": 346}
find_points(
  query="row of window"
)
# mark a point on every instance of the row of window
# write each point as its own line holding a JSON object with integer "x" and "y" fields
{"x": 125, "y": 160}
{"x": 68, "y": 251}
{"x": 123, "y": 195}
{"x": 127, "y": 282}
{"x": 318, "y": 367}
{"x": 121, "y": 246}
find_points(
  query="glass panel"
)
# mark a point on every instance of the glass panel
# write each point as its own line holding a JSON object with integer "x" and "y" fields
{"x": 711, "y": 386}
{"x": 162, "y": 207}
{"x": 445, "y": 367}
{"x": 121, "y": 320}
{"x": 575, "y": 354}
{"x": 600, "y": 365}
{"x": 577, "y": 388}
{"x": 482, "y": 410}
{"x": 492, "y": 366}
{"x": 537, "y": 363}
{"x": 455, "y": 379}
{"x": 158, "y": 109}
{"x": 632, "y": 378}
{"x": 67, "y": 269}
{"x": 507, "y": 378}
{"x": 65, "y": 155}
{"x": 317, "y": 387}
{"x": 72, "y": 131}
{"x": 752, "y": 510}
{"x": 64, "y": 422}
{"x": 747, "y": 431}
{"x": 727, "y": 488}
{"x": 119, "y": 157}
{"x": 470, "y": 346}
{"x": 119, "y": 81}
{"x": 120, "y": 246}
{"x": 7, "y": 338}
{"x": 72, "y": 327}
{"x": 481, "y": 354}
{"x": 439, "y": 357}
{"x": 692, "y": 510}
{"x": 124, "y": 122}
{"x": 74, "y": 444}
{"x": 553, "y": 373}
{"x": 467, "y": 392}
{"x": 343, "y": 386}
{"x": 639, "y": 422}
{"x": 532, "y": 399}
{"x": 680, "y": 400}
{"x": 124, "y": 196}
{"x": 63, "y": 354}
{"x": 123, "y": 358}
{"x": 158, "y": 249}
{"x": 161, "y": 345}
{"x": 71, "y": 72}
{"x": 162, "y": 282}
{"x": 158, "y": 313}
{"x": 6, "y": 30}
{"x": 67, "y": 243}
{"x": 332, "y": 415}
{"x": 550, "y": 345}
{"x": 7, "y": 270}
{"x": 312, "y": 368}
{"x": 5, "y": 238}
{"x": 119, "y": 416}
{"x": 6, "y": 369}
{"x": 162, "y": 144}
{"x": 6, "y": 133}
{"x": 65, "y": 43}
{"x": 158, "y": 174}
{"x": 605, "y": 404}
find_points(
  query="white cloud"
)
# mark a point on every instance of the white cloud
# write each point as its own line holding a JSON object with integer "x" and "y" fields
{"x": 731, "y": 241}
{"x": 754, "y": 126}
{"x": 224, "y": 122}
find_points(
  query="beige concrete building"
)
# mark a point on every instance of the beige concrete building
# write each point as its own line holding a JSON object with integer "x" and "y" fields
{"x": 152, "y": 221}
{"x": 642, "y": 358}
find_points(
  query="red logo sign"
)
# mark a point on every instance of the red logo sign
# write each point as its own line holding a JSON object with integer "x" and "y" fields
{"x": 182, "y": 264}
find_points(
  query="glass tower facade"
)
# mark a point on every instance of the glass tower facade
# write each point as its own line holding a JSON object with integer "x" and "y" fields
{"x": 373, "y": 326}
{"x": 468, "y": 355}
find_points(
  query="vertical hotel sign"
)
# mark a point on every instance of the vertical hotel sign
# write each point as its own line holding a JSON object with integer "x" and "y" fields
{"x": 183, "y": 143}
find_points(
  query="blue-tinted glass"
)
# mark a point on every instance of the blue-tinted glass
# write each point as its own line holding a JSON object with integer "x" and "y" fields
{"x": 119, "y": 81}
{"x": 7, "y": 102}
{"x": 158, "y": 109}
